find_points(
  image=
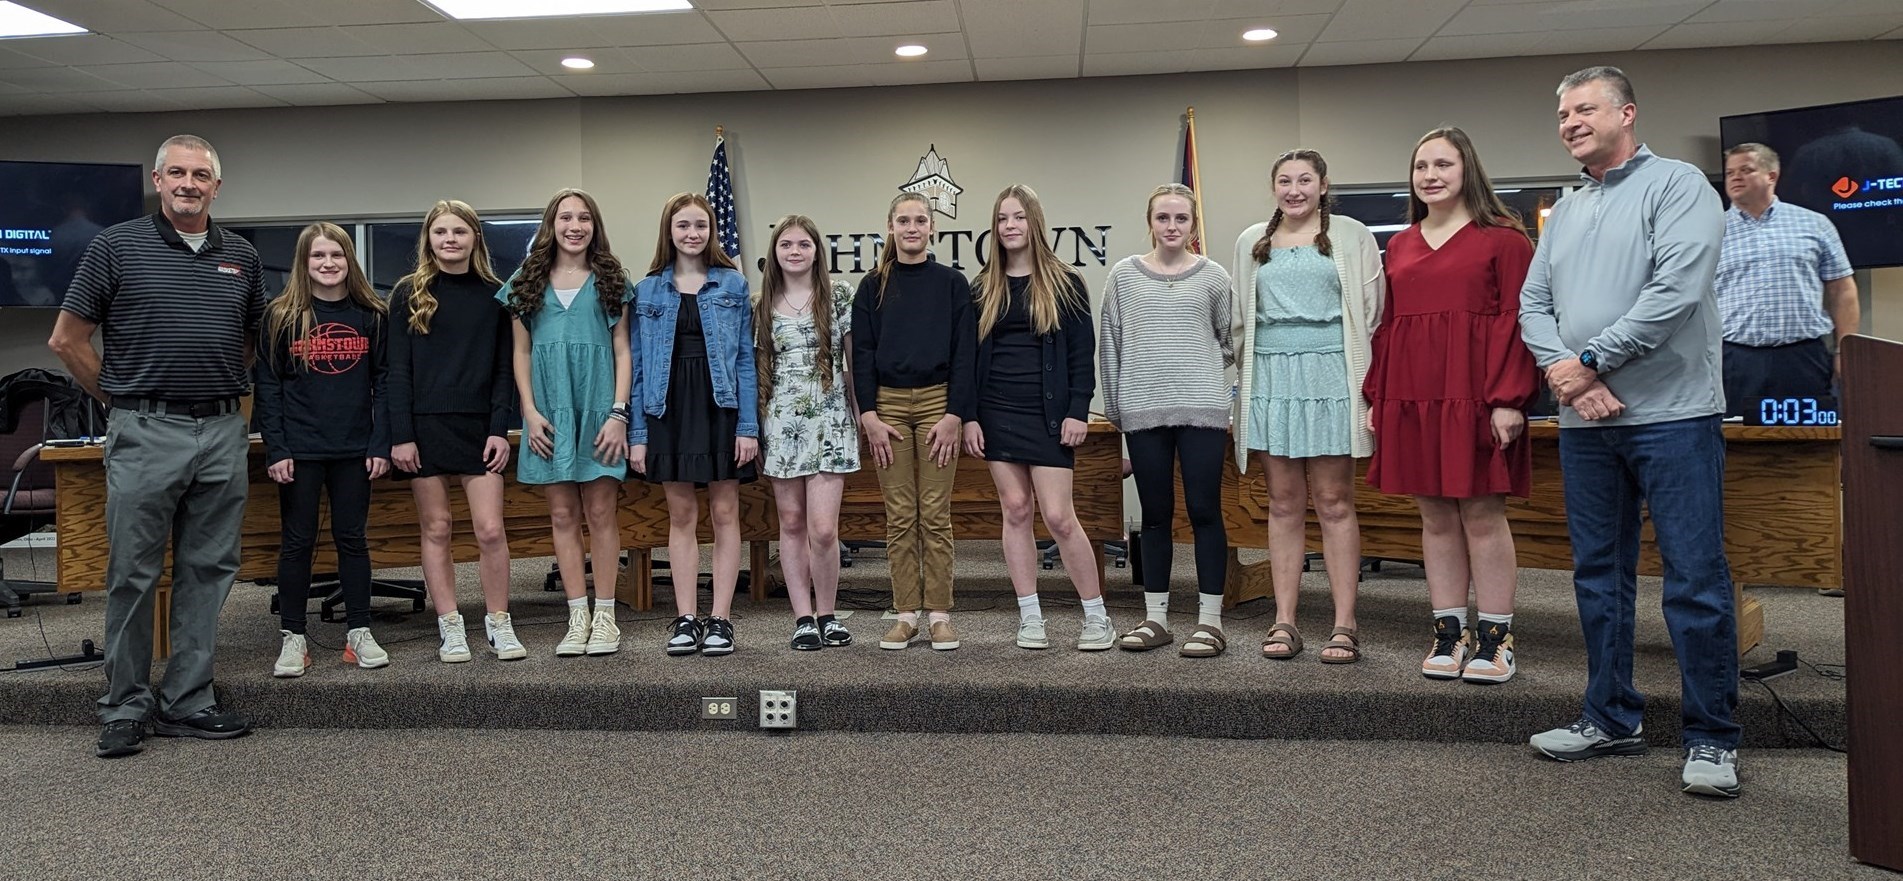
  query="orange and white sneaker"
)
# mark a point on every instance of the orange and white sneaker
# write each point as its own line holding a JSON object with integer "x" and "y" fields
{"x": 1453, "y": 645}
{"x": 361, "y": 648}
{"x": 1492, "y": 662}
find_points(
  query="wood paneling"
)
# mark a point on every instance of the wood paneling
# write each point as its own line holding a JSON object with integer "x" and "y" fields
{"x": 1873, "y": 607}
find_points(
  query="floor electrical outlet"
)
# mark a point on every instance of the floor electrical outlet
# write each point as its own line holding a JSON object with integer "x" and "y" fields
{"x": 779, "y": 709}
{"x": 723, "y": 708}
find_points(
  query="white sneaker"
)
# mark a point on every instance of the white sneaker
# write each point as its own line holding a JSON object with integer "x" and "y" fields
{"x": 575, "y": 642}
{"x": 361, "y": 648}
{"x": 1031, "y": 634}
{"x": 1098, "y": 635}
{"x": 294, "y": 657}
{"x": 604, "y": 636}
{"x": 455, "y": 648}
{"x": 501, "y": 631}
{"x": 1711, "y": 770}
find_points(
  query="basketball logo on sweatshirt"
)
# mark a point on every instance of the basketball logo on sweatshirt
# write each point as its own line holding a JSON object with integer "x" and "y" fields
{"x": 332, "y": 348}
{"x": 933, "y": 180}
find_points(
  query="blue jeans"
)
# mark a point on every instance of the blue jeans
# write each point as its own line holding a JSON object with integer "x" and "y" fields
{"x": 1677, "y": 469}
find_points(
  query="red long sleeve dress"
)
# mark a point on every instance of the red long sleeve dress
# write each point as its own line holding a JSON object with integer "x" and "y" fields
{"x": 1447, "y": 353}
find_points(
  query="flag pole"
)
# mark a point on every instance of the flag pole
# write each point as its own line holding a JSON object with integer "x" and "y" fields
{"x": 1196, "y": 182}
{"x": 720, "y": 131}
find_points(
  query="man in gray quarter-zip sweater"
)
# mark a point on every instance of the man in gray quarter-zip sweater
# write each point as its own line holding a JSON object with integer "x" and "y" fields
{"x": 1620, "y": 312}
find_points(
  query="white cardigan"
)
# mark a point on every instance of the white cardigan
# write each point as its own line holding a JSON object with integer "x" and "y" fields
{"x": 1363, "y": 293}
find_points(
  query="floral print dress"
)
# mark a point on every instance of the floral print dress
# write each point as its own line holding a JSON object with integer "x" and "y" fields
{"x": 809, "y": 429}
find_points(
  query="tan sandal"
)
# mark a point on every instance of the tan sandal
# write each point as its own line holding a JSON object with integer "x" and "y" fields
{"x": 1145, "y": 636}
{"x": 1206, "y": 641}
{"x": 1352, "y": 646}
{"x": 1284, "y": 646}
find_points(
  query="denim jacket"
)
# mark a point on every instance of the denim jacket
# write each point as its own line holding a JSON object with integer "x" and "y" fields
{"x": 728, "y": 324}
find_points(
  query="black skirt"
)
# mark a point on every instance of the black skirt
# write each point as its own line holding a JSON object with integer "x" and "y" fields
{"x": 693, "y": 441}
{"x": 1011, "y": 408}
{"x": 448, "y": 443}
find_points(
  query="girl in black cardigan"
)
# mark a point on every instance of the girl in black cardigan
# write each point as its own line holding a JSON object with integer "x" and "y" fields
{"x": 1036, "y": 376}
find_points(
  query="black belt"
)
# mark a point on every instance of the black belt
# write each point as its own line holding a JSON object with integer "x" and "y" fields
{"x": 194, "y": 409}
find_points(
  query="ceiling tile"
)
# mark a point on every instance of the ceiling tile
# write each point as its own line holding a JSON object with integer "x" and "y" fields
{"x": 9, "y": 60}
{"x": 1177, "y": 36}
{"x": 132, "y": 101}
{"x": 82, "y": 49}
{"x": 1620, "y": 39}
{"x": 910, "y": 17}
{"x": 1256, "y": 8}
{"x": 1568, "y": 15}
{"x": 653, "y": 29}
{"x": 1062, "y": 67}
{"x": 36, "y": 105}
{"x": 341, "y": 12}
{"x": 1360, "y": 52}
{"x": 906, "y": 73}
{"x": 114, "y": 16}
{"x": 227, "y": 15}
{"x": 392, "y": 68}
{"x": 195, "y": 46}
{"x": 997, "y": 28}
{"x": 260, "y": 73}
{"x": 159, "y": 75}
{"x": 57, "y": 79}
{"x": 1103, "y": 12}
{"x": 1384, "y": 20}
{"x": 668, "y": 83}
{"x": 1828, "y": 30}
{"x": 700, "y": 56}
{"x": 794, "y": 53}
{"x": 317, "y": 94}
{"x": 1761, "y": 10}
{"x": 498, "y": 88}
{"x": 1742, "y": 32}
{"x": 418, "y": 39}
{"x": 746, "y": 4}
{"x": 1245, "y": 58}
{"x": 838, "y": 76}
{"x": 549, "y": 62}
{"x": 308, "y": 43}
{"x": 1225, "y": 33}
{"x": 219, "y": 96}
{"x": 1509, "y": 45}
{"x": 794, "y": 23}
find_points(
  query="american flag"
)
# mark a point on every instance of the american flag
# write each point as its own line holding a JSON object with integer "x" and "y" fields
{"x": 720, "y": 195}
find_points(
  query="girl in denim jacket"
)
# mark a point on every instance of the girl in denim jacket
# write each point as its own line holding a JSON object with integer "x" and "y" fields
{"x": 693, "y": 378}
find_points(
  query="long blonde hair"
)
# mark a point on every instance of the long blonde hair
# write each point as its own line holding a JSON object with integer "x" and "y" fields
{"x": 530, "y": 283}
{"x": 664, "y": 251}
{"x": 1052, "y": 284}
{"x": 291, "y": 315}
{"x": 889, "y": 255}
{"x": 422, "y": 300}
{"x": 1189, "y": 195}
{"x": 772, "y": 282}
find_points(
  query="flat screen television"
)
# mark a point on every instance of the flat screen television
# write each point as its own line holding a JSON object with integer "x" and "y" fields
{"x": 49, "y": 212}
{"x": 1844, "y": 161}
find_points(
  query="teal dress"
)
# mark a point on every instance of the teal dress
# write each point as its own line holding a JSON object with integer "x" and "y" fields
{"x": 572, "y": 372}
{"x": 1299, "y": 405}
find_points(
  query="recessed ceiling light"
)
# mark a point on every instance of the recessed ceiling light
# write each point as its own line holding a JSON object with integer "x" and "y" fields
{"x": 910, "y": 51}
{"x": 1258, "y": 35}
{"x": 577, "y": 63}
{"x": 479, "y": 9}
{"x": 19, "y": 21}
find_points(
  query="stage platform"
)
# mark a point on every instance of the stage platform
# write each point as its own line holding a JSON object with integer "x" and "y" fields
{"x": 989, "y": 685}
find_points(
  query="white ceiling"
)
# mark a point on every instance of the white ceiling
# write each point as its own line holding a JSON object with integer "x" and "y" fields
{"x": 149, "y": 55}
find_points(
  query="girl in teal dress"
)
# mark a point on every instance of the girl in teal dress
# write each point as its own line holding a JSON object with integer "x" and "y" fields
{"x": 572, "y": 371}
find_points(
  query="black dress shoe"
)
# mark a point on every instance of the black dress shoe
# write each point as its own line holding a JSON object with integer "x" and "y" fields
{"x": 211, "y": 723}
{"x": 120, "y": 737}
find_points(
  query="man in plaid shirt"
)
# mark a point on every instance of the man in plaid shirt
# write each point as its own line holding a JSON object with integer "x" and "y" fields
{"x": 1783, "y": 284}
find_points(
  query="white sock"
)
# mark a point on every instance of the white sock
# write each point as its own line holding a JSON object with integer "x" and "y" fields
{"x": 1094, "y": 609}
{"x": 1497, "y": 619}
{"x": 1028, "y": 608}
{"x": 1209, "y": 609}
{"x": 909, "y": 618}
{"x": 1156, "y": 606}
{"x": 578, "y": 603}
{"x": 1459, "y": 614}
{"x": 606, "y": 607}
{"x": 936, "y": 617}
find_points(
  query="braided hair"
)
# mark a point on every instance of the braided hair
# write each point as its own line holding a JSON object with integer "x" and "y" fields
{"x": 1262, "y": 249}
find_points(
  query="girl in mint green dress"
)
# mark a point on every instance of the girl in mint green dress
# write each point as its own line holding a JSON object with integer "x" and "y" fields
{"x": 572, "y": 372}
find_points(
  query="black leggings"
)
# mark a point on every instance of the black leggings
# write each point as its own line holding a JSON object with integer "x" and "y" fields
{"x": 348, "y": 485}
{"x": 1154, "y": 454}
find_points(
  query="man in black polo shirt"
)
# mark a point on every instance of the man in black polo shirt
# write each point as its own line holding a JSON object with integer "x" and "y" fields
{"x": 178, "y": 299}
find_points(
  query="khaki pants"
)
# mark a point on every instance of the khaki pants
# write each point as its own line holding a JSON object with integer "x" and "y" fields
{"x": 918, "y": 529}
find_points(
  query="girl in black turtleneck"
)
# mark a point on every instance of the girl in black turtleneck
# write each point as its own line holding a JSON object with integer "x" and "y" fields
{"x": 451, "y": 397}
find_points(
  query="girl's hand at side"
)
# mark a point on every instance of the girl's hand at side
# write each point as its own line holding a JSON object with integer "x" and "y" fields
{"x": 495, "y": 453}
{"x": 376, "y": 466}
{"x": 745, "y": 449}
{"x": 1072, "y": 432}
{"x": 538, "y": 434}
{"x": 943, "y": 439}
{"x": 282, "y": 471}
{"x": 974, "y": 440}
{"x": 611, "y": 442}
{"x": 638, "y": 458}
{"x": 404, "y": 456}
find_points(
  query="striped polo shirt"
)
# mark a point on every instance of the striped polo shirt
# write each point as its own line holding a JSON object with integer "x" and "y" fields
{"x": 1771, "y": 275}
{"x": 173, "y": 322}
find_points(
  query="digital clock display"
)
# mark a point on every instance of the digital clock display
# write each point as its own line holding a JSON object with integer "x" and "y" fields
{"x": 1796, "y": 411}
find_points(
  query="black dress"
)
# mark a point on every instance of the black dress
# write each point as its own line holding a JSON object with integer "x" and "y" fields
{"x": 693, "y": 441}
{"x": 1011, "y": 400}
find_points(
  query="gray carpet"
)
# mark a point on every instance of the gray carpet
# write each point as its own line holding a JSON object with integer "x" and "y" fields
{"x": 987, "y": 686}
{"x": 435, "y": 804}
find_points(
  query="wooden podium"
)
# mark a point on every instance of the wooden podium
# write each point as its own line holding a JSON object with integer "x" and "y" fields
{"x": 1873, "y": 606}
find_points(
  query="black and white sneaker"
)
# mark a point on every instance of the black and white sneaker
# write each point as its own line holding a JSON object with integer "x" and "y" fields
{"x": 1583, "y": 740}
{"x": 1710, "y": 770}
{"x": 833, "y": 633}
{"x": 718, "y": 640}
{"x": 683, "y": 636}
{"x": 806, "y": 636}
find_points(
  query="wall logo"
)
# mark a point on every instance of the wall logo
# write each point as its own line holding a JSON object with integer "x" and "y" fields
{"x": 933, "y": 180}
{"x": 1844, "y": 188}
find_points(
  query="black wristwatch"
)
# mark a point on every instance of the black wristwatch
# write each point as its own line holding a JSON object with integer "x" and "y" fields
{"x": 1590, "y": 360}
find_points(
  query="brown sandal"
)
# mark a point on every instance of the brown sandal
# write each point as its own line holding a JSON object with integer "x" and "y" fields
{"x": 1206, "y": 641}
{"x": 1145, "y": 636}
{"x": 1352, "y": 646}
{"x": 1290, "y": 642}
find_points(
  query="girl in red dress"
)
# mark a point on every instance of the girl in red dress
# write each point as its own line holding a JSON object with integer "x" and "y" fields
{"x": 1448, "y": 389}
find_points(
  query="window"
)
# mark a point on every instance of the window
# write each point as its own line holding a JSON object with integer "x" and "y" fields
{"x": 277, "y": 248}
{"x": 1385, "y": 212}
{"x": 392, "y": 248}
